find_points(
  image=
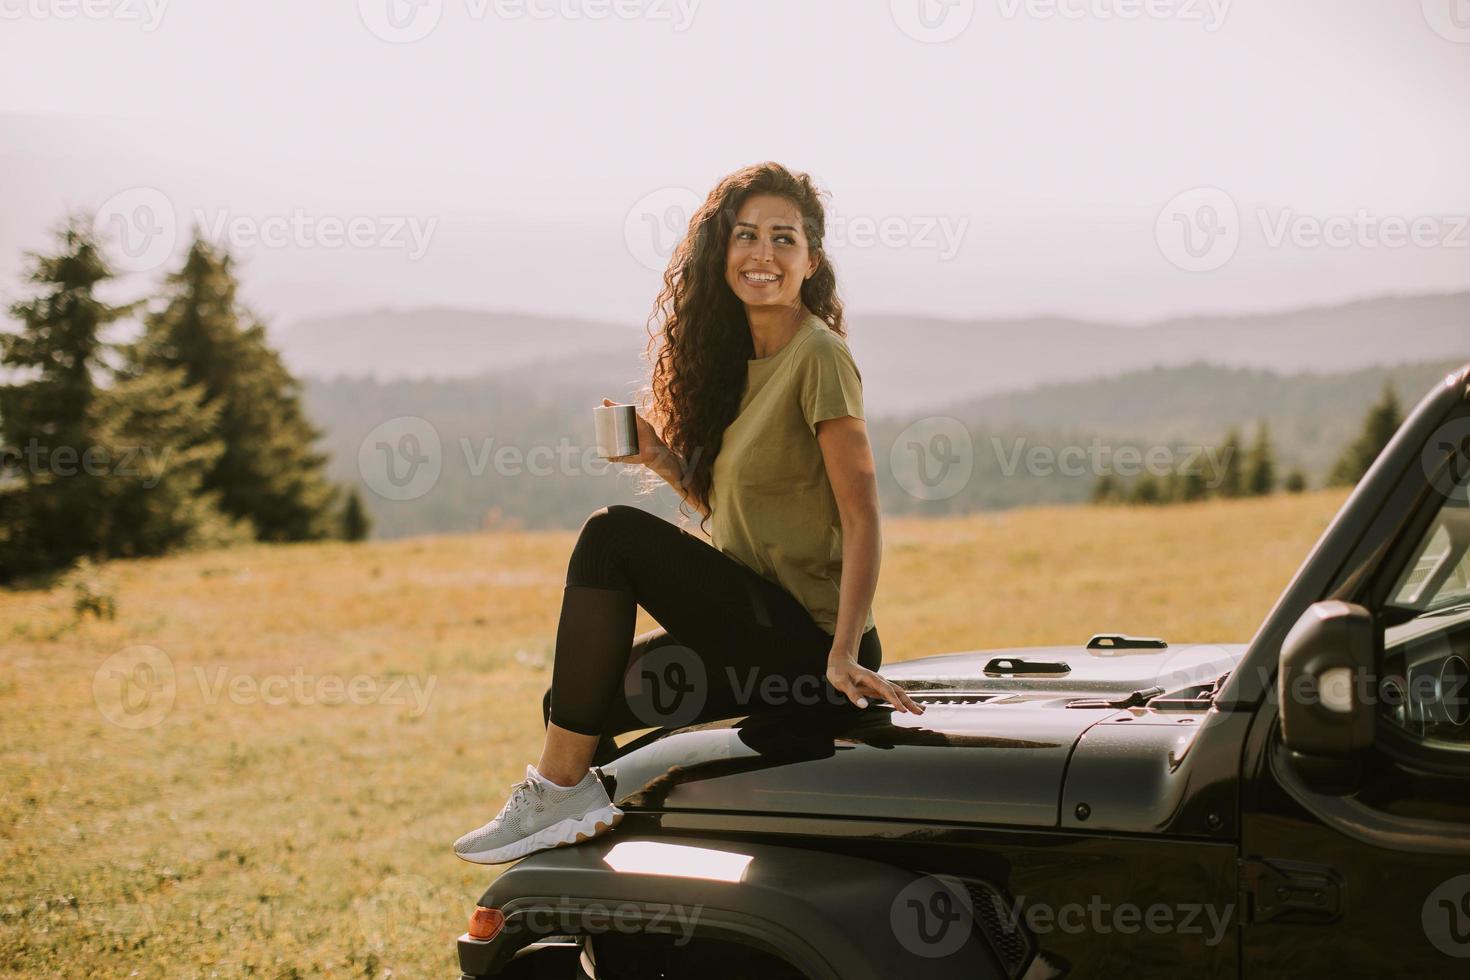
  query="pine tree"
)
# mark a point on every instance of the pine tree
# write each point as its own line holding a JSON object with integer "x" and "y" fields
{"x": 163, "y": 451}
{"x": 1187, "y": 485}
{"x": 1105, "y": 490}
{"x": 268, "y": 473}
{"x": 1260, "y": 468}
{"x": 98, "y": 470}
{"x": 1146, "y": 490}
{"x": 1227, "y": 477}
{"x": 1382, "y": 421}
{"x": 356, "y": 525}
{"x": 52, "y": 509}
{"x": 1296, "y": 481}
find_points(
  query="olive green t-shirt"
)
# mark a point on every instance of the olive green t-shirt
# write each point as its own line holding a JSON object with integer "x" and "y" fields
{"x": 771, "y": 504}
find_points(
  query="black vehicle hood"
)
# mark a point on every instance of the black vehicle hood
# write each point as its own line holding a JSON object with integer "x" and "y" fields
{"x": 989, "y": 748}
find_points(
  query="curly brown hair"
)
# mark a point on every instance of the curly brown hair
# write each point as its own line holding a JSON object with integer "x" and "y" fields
{"x": 698, "y": 355}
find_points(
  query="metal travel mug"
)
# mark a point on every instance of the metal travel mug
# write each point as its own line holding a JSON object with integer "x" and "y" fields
{"x": 617, "y": 430}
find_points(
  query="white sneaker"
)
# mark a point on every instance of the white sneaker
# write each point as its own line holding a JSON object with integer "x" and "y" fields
{"x": 540, "y": 815}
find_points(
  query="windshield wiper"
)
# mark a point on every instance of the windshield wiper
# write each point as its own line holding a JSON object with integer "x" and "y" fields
{"x": 1134, "y": 700}
{"x": 1456, "y": 607}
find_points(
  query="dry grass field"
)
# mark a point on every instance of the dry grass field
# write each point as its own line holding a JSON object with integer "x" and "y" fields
{"x": 257, "y": 767}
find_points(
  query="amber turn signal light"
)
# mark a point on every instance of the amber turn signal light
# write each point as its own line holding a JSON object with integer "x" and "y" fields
{"x": 485, "y": 923}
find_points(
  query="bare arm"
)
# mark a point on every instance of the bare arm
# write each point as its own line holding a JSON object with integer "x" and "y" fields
{"x": 852, "y": 474}
{"x": 671, "y": 466}
{"x": 850, "y": 470}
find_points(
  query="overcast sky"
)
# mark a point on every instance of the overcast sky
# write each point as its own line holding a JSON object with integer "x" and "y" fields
{"x": 1107, "y": 159}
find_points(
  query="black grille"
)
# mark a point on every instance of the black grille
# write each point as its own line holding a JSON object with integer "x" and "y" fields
{"x": 1003, "y": 932}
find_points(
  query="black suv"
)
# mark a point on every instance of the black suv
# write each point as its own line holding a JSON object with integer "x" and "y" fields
{"x": 1295, "y": 806}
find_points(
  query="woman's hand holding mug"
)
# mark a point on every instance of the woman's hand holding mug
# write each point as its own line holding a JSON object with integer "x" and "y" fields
{"x": 651, "y": 448}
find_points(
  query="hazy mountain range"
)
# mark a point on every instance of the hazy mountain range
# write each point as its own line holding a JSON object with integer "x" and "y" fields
{"x": 909, "y": 363}
{"x": 1011, "y": 388}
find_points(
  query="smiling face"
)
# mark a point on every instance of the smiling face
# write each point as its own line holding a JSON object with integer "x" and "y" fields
{"x": 768, "y": 256}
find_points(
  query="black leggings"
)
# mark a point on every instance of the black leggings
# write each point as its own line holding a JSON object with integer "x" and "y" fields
{"x": 730, "y": 641}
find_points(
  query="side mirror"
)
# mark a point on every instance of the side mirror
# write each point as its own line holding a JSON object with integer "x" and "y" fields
{"x": 1326, "y": 669}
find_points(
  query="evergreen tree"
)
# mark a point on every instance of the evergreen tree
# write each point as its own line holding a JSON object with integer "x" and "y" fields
{"x": 356, "y": 524}
{"x": 52, "y": 509}
{"x": 1227, "y": 477}
{"x": 1260, "y": 468}
{"x": 268, "y": 472}
{"x": 96, "y": 470}
{"x": 1382, "y": 421}
{"x": 1146, "y": 490}
{"x": 1106, "y": 490}
{"x": 1296, "y": 481}
{"x": 1188, "y": 485}
{"x": 159, "y": 433}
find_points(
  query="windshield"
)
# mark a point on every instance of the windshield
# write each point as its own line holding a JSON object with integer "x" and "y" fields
{"x": 1438, "y": 576}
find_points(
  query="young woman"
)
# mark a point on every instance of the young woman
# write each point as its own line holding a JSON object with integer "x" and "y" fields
{"x": 760, "y": 406}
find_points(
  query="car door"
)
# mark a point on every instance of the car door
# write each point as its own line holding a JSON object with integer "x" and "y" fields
{"x": 1373, "y": 878}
